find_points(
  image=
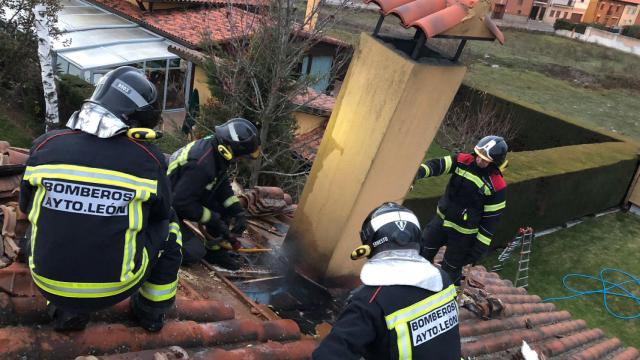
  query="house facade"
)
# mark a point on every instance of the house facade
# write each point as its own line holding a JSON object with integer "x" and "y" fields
{"x": 570, "y": 10}
{"x": 100, "y": 35}
{"x": 513, "y": 10}
{"x": 611, "y": 13}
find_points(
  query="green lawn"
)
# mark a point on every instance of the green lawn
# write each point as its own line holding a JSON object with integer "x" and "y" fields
{"x": 586, "y": 82}
{"x": 15, "y": 135}
{"x": 611, "y": 241}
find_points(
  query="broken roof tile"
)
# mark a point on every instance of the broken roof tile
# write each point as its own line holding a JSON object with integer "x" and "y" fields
{"x": 464, "y": 19}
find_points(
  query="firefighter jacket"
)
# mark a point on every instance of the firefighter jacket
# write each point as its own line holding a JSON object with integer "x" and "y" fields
{"x": 395, "y": 322}
{"x": 99, "y": 210}
{"x": 199, "y": 182}
{"x": 474, "y": 199}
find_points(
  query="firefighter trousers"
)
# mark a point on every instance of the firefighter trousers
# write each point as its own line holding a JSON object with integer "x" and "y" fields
{"x": 458, "y": 252}
{"x": 157, "y": 288}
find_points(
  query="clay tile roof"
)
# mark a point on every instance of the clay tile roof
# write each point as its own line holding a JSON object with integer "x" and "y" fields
{"x": 549, "y": 332}
{"x": 306, "y": 145}
{"x": 453, "y": 18}
{"x": 187, "y": 26}
{"x": 315, "y": 102}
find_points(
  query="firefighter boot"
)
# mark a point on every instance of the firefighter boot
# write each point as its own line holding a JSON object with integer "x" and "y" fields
{"x": 63, "y": 320}
{"x": 223, "y": 258}
{"x": 150, "y": 318}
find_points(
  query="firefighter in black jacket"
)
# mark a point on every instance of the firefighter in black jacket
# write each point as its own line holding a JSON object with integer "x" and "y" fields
{"x": 202, "y": 192}
{"x": 469, "y": 211}
{"x": 99, "y": 204}
{"x": 407, "y": 307}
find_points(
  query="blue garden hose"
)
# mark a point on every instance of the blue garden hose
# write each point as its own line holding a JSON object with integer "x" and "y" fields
{"x": 607, "y": 286}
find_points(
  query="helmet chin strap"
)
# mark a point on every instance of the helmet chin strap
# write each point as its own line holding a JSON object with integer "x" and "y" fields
{"x": 144, "y": 134}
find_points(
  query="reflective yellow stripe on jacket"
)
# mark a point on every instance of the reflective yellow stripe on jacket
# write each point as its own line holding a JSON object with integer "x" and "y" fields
{"x": 174, "y": 228}
{"x": 474, "y": 179}
{"x": 399, "y": 320}
{"x": 495, "y": 207}
{"x": 90, "y": 290}
{"x": 181, "y": 159}
{"x": 230, "y": 201}
{"x": 157, "y": 293}
{"x": 456, "y": 227}
{"x": 143, "y": 189}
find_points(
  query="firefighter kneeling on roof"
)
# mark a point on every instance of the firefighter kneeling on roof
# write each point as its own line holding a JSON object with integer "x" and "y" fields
{"x": 407, "y": 307}
{"x": 469, "y": 212}
{"x": 99, "y": 204}
{"x": 202, "y": 192}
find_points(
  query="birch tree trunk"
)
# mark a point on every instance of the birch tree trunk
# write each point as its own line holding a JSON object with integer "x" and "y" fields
{"x": 42, "y": 25}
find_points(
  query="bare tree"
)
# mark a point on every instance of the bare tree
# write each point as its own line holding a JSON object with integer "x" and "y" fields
{"x": 471, "y": 117}
{"x": 257, "y": 76}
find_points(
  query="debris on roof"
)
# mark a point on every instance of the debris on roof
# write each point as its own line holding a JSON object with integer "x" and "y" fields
{"x": 461, "y": 19}
{"x": 214, "y": 319}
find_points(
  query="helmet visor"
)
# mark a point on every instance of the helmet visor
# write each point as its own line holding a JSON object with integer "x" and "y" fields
{"x": 483, "y": 154}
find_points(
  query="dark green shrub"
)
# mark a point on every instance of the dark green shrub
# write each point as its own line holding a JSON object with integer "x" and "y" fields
{"x": 72, "y": 91}
{"x": 580, "y": 28}
{"x": 563, "y": 24}
{"x": 632, "y": 31}
{"x": 547, "y": 188}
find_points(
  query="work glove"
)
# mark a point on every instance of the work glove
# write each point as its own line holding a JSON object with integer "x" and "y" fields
{"x": 239, "y": 223}
{"x": 477, "y": 252}
{"x": 420, "y": 174}
{"x": 216, "y": 227}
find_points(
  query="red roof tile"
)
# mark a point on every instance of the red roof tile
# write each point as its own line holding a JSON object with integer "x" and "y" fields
{"x": 307, "y": 144}
{"x": 436, "y": 17}
{"x": 188, "y": 26}
{"x": 524, "y": 317}
{"x": 316, "y": 102}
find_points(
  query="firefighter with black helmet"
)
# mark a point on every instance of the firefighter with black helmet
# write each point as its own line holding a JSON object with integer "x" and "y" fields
{"x": 202, "y": 192}
{"x": 99, "y": 203}
{"x": 468, "y": 213}
{"x": 407, "y": 307}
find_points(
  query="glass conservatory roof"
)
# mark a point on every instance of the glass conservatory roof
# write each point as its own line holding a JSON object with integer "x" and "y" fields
{"x": 93, "y": 38}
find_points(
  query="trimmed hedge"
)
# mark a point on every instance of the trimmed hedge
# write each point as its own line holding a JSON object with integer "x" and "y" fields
{"x": 72, "y": 91}
{"x": 563, "y": 24}
{"x": 632, "y": 31}
{"x": 547, "y": 188}
{"x": 537, "y": 129}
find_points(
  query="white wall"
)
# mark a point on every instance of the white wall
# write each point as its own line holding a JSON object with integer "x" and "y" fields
{"x": 605, "y": 38}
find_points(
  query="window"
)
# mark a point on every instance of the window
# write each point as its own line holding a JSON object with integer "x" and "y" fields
{"x": 175, "y": 84}
{"x": 519, "y": 12}
{"x": 520, "y": 2}
{"x": 602, "y": 6}
{"x": 553, "y": 12}
{"x": 558, "y": 14}
{"x": 156, "y": 71}
{"x": 565, "y": 15}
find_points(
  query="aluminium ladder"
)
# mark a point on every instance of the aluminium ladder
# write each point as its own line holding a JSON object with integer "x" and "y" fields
{"x": 523, "y": 240}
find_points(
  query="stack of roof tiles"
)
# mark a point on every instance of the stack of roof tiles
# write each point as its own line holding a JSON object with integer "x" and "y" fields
{"x": 436, "y": 17}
